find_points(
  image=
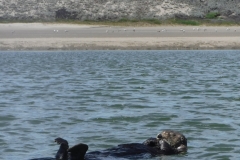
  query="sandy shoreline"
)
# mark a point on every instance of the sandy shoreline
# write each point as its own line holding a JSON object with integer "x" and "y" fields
{"x": 74, "y": 37}
{"x": 189, "y": 43}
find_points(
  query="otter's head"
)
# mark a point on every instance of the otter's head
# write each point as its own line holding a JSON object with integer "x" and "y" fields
{"x": 173, "y": 141}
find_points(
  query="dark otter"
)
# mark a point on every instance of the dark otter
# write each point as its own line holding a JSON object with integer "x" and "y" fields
{"x": 166, "y": 143}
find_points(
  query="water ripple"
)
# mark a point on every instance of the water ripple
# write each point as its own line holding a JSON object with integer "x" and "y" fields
{"x": 104, "y": 98}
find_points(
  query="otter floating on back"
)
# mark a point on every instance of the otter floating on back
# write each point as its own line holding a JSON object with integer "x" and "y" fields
{"x": 166, "y": 143}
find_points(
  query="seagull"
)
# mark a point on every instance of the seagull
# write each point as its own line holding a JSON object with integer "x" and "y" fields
{"x": 182, "y": 30}
{"x": 227, "y": 29}
{"x": 133, "y": 29}
{"x": 164, "y": 30}
{"x": 66, "y": 31}
{"x": 13, "y": 32}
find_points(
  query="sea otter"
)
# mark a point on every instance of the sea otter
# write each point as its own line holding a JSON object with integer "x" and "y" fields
{"x": 166, "y": 143}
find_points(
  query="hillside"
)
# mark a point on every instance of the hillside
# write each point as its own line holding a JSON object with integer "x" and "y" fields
{"x": 98, "y": 10}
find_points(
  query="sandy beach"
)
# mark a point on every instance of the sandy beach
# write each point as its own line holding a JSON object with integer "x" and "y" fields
{"x": 38, "y": 36}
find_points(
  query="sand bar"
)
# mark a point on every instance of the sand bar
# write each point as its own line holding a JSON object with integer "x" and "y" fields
{"x": 38, "y": 36}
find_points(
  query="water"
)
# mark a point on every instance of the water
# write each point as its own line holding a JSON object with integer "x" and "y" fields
{"x": 104, "y": 98}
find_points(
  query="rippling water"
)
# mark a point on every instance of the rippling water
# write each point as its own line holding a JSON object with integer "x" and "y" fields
{"x": 104, "y": 98}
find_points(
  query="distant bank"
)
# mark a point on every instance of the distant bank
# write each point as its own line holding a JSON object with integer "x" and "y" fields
{"x": 114, "y": 10}
{"x": 37, "y": 36}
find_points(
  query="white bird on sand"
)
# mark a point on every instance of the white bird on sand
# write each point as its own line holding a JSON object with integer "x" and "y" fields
{"x": 164, "y": 30}
{"x": 182, "y": 30}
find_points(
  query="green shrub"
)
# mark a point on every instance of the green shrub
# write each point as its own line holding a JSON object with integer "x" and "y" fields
{"x": 186, "y": 22}
{"x": 150, "y": 21}
{"x": 212, "y": 15}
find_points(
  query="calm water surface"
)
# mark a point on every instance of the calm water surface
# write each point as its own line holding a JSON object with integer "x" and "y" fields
{"x": 104, "y": 98}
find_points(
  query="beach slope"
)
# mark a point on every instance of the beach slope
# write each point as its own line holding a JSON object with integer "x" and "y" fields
{"x": 39, "y": 36}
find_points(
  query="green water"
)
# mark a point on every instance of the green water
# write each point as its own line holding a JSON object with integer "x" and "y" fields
{"x": 104, "y": 98}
